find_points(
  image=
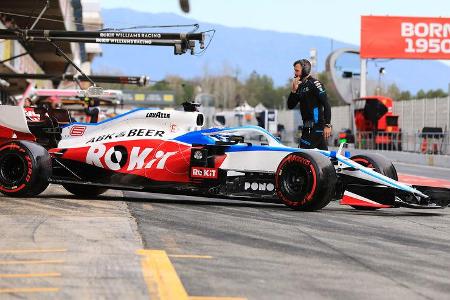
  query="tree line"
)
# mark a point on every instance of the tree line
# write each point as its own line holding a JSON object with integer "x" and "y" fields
{"x": 229, "y": 91}
{"x": 395, "y": 93}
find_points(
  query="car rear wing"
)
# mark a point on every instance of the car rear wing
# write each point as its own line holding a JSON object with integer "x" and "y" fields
{"x": 13, "y": 118}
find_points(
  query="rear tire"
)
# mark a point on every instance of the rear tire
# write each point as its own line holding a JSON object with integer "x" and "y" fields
{"x": 305, "y": 181}
{"x": 380, "y": 164}
{"x": 84, "y": 191}
{"x": 25, "y": 168}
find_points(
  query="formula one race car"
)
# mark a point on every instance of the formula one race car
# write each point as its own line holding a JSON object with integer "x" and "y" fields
{"x": 167, "y": 152}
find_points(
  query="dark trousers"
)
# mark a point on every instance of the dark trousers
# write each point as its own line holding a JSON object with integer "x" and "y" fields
{"x": 313, "y": 138}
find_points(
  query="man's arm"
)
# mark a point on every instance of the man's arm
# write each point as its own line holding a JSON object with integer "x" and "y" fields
{"x": 292, "y": 101}
{"x": 323, "y": 99}
{"x": 294, "y": 97}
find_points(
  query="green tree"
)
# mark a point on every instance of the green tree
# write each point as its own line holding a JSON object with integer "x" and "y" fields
{"x": 439, "y": 93}
{"x": 259, "y": 89}
{"x": 332, "y": 93}
{"x": 393, "y": 92}
{"x": 188, "y": 91}
{"x": 405, "y": 95}
{"x": 421, "y": 94}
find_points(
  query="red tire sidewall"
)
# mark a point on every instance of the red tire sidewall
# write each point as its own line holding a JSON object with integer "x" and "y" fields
{"x": 26, "y": 181}
{"x": 307, "y": 164}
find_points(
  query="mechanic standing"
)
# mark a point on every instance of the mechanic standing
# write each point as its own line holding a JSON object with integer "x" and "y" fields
{"x": 91, "y": 108}
{"x": 314, "y": 106}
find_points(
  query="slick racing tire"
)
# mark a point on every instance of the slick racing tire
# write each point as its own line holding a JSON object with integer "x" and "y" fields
{"x": 305, "y": 181}
{"x": 380, "y": 164}
{"x": 84, "y": 191}
{"x": 25, "y": 168}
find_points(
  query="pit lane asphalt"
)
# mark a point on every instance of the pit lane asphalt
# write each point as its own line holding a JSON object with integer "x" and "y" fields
{"x": 236, "y": 249}
{"x": 267, "y": 251}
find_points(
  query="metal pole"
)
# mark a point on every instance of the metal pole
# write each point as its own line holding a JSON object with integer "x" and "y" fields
{"x": 47, "y": 5}
{"x": 363, "y": 78}
{"x": 60, "y": 51}
{"x": 137, "y": 80}
{"x": 424, "y": 107}
{"x": 14, "y": 57}
{"x": 448, "y": 108}
{"x": 435, "y": 113}
{"x": 401, "y": 120}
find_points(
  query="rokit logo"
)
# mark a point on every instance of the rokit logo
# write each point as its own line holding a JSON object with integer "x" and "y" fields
{"x": 200, "y": 172}
{"x": 116, "y": 158}
{"x": 259, "y": 186}
{"x": 158, "y": 115}
{"x": 129, "y": 133}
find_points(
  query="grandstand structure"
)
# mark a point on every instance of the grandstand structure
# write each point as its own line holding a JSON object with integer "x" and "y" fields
{"x": 17, "y": 56}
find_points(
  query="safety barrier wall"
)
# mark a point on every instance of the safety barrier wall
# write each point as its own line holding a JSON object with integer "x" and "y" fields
{"x": 416, "y": 114}
{"x": 424, "y": 142}
{"x": 413, "y": 114}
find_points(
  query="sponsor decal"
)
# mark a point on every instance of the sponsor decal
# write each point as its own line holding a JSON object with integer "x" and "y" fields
{"x": 206, "y": 173}
{"x": 123, "y": 41}
{"x": 158, "y": 115}
{"x": 77, "y": 130}
{"x": 259, "y": 186}
{"x": 173, "y": 127}
{"x": 142, "y": 132}
{"x": 318, "y": 85}
{"x": 130, "y": 35}
{"x": 405, "y": 37}
{"x": 117, "y": 158}
{"x": 32, "y": 116}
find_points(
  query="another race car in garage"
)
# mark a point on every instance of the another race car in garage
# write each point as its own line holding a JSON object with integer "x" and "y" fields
{"x": 166, "y": 151}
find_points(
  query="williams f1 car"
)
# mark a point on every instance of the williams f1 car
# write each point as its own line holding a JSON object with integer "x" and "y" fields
{"x": 167, "y": 152}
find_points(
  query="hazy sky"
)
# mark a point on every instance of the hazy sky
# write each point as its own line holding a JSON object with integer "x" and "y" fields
{"x": 338, "y": 19}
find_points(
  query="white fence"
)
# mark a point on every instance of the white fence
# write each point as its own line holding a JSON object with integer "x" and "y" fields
{"x": 416, "y": 114}
{"x": 413, "y": 114}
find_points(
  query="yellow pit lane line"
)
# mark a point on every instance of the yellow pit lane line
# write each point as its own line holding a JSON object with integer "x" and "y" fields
{"x": 215, "y": 298}
{"x": 18, "y": 251}
{"x": 160, "y": 276}
{"x": 162, "y": 280}
{"x": 30, "y": 275}
{"x": 31, "y": 262}
{"x": 28, "y": 290}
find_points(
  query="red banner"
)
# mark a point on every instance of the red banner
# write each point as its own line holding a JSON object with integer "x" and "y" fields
{"x": 405, "y": 37}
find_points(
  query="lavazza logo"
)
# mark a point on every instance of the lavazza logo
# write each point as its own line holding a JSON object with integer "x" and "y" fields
{"x": 158, "y": 115}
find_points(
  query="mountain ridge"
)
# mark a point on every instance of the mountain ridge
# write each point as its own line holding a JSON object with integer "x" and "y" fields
{"x": 244, "y": 49}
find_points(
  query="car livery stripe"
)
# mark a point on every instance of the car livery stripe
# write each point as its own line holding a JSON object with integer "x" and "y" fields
{"x": 107, "y": 120}
{"x": 244, "y": 148}
{"x": 381, "y": 177}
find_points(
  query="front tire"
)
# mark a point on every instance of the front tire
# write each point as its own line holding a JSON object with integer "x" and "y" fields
{"x": 379, "y": 164}
{"x": 305, "y": 181}
{"x": 25, "y": 168}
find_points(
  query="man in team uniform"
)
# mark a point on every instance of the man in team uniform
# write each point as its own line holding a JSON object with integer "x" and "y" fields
{"x": 314, "y": 107}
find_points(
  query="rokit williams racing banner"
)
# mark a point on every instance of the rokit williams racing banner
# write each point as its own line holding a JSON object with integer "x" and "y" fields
{"x": 405, "y": 37}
